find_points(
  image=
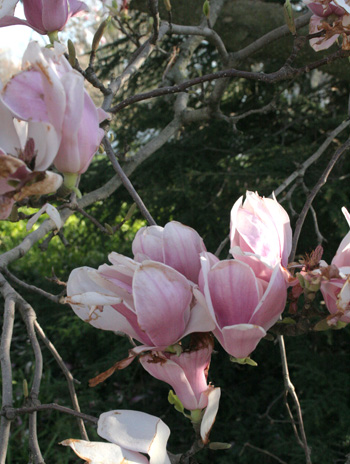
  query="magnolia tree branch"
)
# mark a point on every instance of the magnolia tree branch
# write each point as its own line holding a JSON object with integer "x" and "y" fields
{"x": 313, "y": 158}
{"x": 284, "y": 73}
{"x": 6, "y": 369}
{"x": 68, "y": 375}
{"x": 13, "y": 412}
{"x": 322, "y": 180}
{"x": 128, "y": 185}
{"x": 290, "y": 389}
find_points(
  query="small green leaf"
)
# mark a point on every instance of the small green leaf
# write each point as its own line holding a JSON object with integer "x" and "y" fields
{"x": 131, "y": 211}
{"x": 173, "y": 399}
{"x": 321, "y": 325}
{"x": 289, "y": 17}
{"x": 287, "y": 320}
{"x": 216, "y": 445}
{"x": 246, "y": 360}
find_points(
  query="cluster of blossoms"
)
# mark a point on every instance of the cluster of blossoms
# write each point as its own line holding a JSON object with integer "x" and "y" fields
{"x": 331, "y": 17}
{"x": 47, "y": 115}
{"x": 174, "y": 287}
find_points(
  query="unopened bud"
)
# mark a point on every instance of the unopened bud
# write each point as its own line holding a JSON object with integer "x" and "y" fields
{"x": 216, "y": 445}
{"x": 25, "y": 388}
{"x": 206, "y": 8}
{"x": 289, "y": 17}
{"x": 167, "y": 5}
{"x": 72, "y": 56}
{"x": 99, "y": 33}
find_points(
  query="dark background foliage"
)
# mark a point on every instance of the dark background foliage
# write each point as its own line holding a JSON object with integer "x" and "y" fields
{"x": 195, "y": 179}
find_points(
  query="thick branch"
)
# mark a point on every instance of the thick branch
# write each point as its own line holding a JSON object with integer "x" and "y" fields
{"x": 6, "y": 370}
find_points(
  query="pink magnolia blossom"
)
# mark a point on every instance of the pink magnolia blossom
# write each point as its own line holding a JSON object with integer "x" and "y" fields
{"x": 27, "y": 149}
{"x": 336, "y": 288}
{"x": 186, "y": 373}
{"x": 176, "y": 245}
{"x": 129, "y": 433}
{"x": 50, "y": 91}
{"x": 151, "y": 302}
{"x": 261, "y": 226}
{"x": 245, "y": 298}
{"x": 324, "y": 8}
{"x": 44, "y": 16}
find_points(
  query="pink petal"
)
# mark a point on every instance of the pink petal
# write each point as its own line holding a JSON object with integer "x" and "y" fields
{"x": 148, "y": 244}
{"x": 182, "y": 246}
{"x": 240, "y": 340}
{"x": 162, "y": 298}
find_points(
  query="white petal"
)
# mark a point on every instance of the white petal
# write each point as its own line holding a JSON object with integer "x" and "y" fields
{"x": 210, "y": 414}
{"x": 136, "y": 431}
{"x": 93, "y": 299}
{"x": 7, "y": 7}
{"x": 51, "y": 211}
{"x": 103, "y": 453}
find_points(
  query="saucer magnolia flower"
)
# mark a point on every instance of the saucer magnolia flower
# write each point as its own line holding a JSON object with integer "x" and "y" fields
{"x": 176, "y": 245}
{"x": 129, "y": 433}
{"x": 186, "y": 373}
{"x": 244, "y": 298}
{"x": 151, "y": 302}
{"x": 261, "y": 226}
{"x": 336, "y": 288}
{"x": 27, "y": 149}
{"x": 49, "y": 90}
{"x": 44, "y": 16}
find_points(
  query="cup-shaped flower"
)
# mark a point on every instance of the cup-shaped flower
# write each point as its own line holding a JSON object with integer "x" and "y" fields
{"x": 44, "y": 16}
{"x": 176, "y": 245}
{"x": 50, "y": 91}
{"x": 129, "y": 433}
{"x": 262, "y": 227}
{"x": 244, "y": 298}
{"x": 335, "y": 284}
{"x": 187, "y": 373}
{"x": 154, "y": 303}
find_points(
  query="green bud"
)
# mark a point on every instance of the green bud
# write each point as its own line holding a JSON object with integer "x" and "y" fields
{"x": 289, "y": 17}
{"x": 301, "y": 280}
{"x": 314, "y": 285}
{"x": 131, "y": 211}
{"x": 246, "y": 360}
{"x": 216, "y": 445}
{"x": 72, "y": 56}
{"x": 70, "y": 180}
{"x": 109, "y": 228}
{"x": 167, "y": 5}
{"x": 287, "y": 320}
{"x": 174, "y": 349}
{"x": 206, "y": 8}
{"x": 101, "y": 149}
{"x": 25, "y": 388}
{"x": 99, "y": 33}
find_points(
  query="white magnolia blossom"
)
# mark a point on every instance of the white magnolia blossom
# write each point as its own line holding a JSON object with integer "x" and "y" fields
{"x": 129, "y": 433}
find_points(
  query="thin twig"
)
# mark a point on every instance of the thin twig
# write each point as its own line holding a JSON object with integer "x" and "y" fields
{"x": 284, "y": 73}
{"x": 301, "y": 170}
{"x": 128, "y": 185}
{"x": 320, "y": 237}
{"x": 289, "y": 388}
{"x": 32, "y": 288}
{"x": 68, "y": 375}
{"x": 222, "y": 246}
{"x": 248, "y": 445}
{"x": 322, "y": 180}
{"x": 48, "y": 407}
